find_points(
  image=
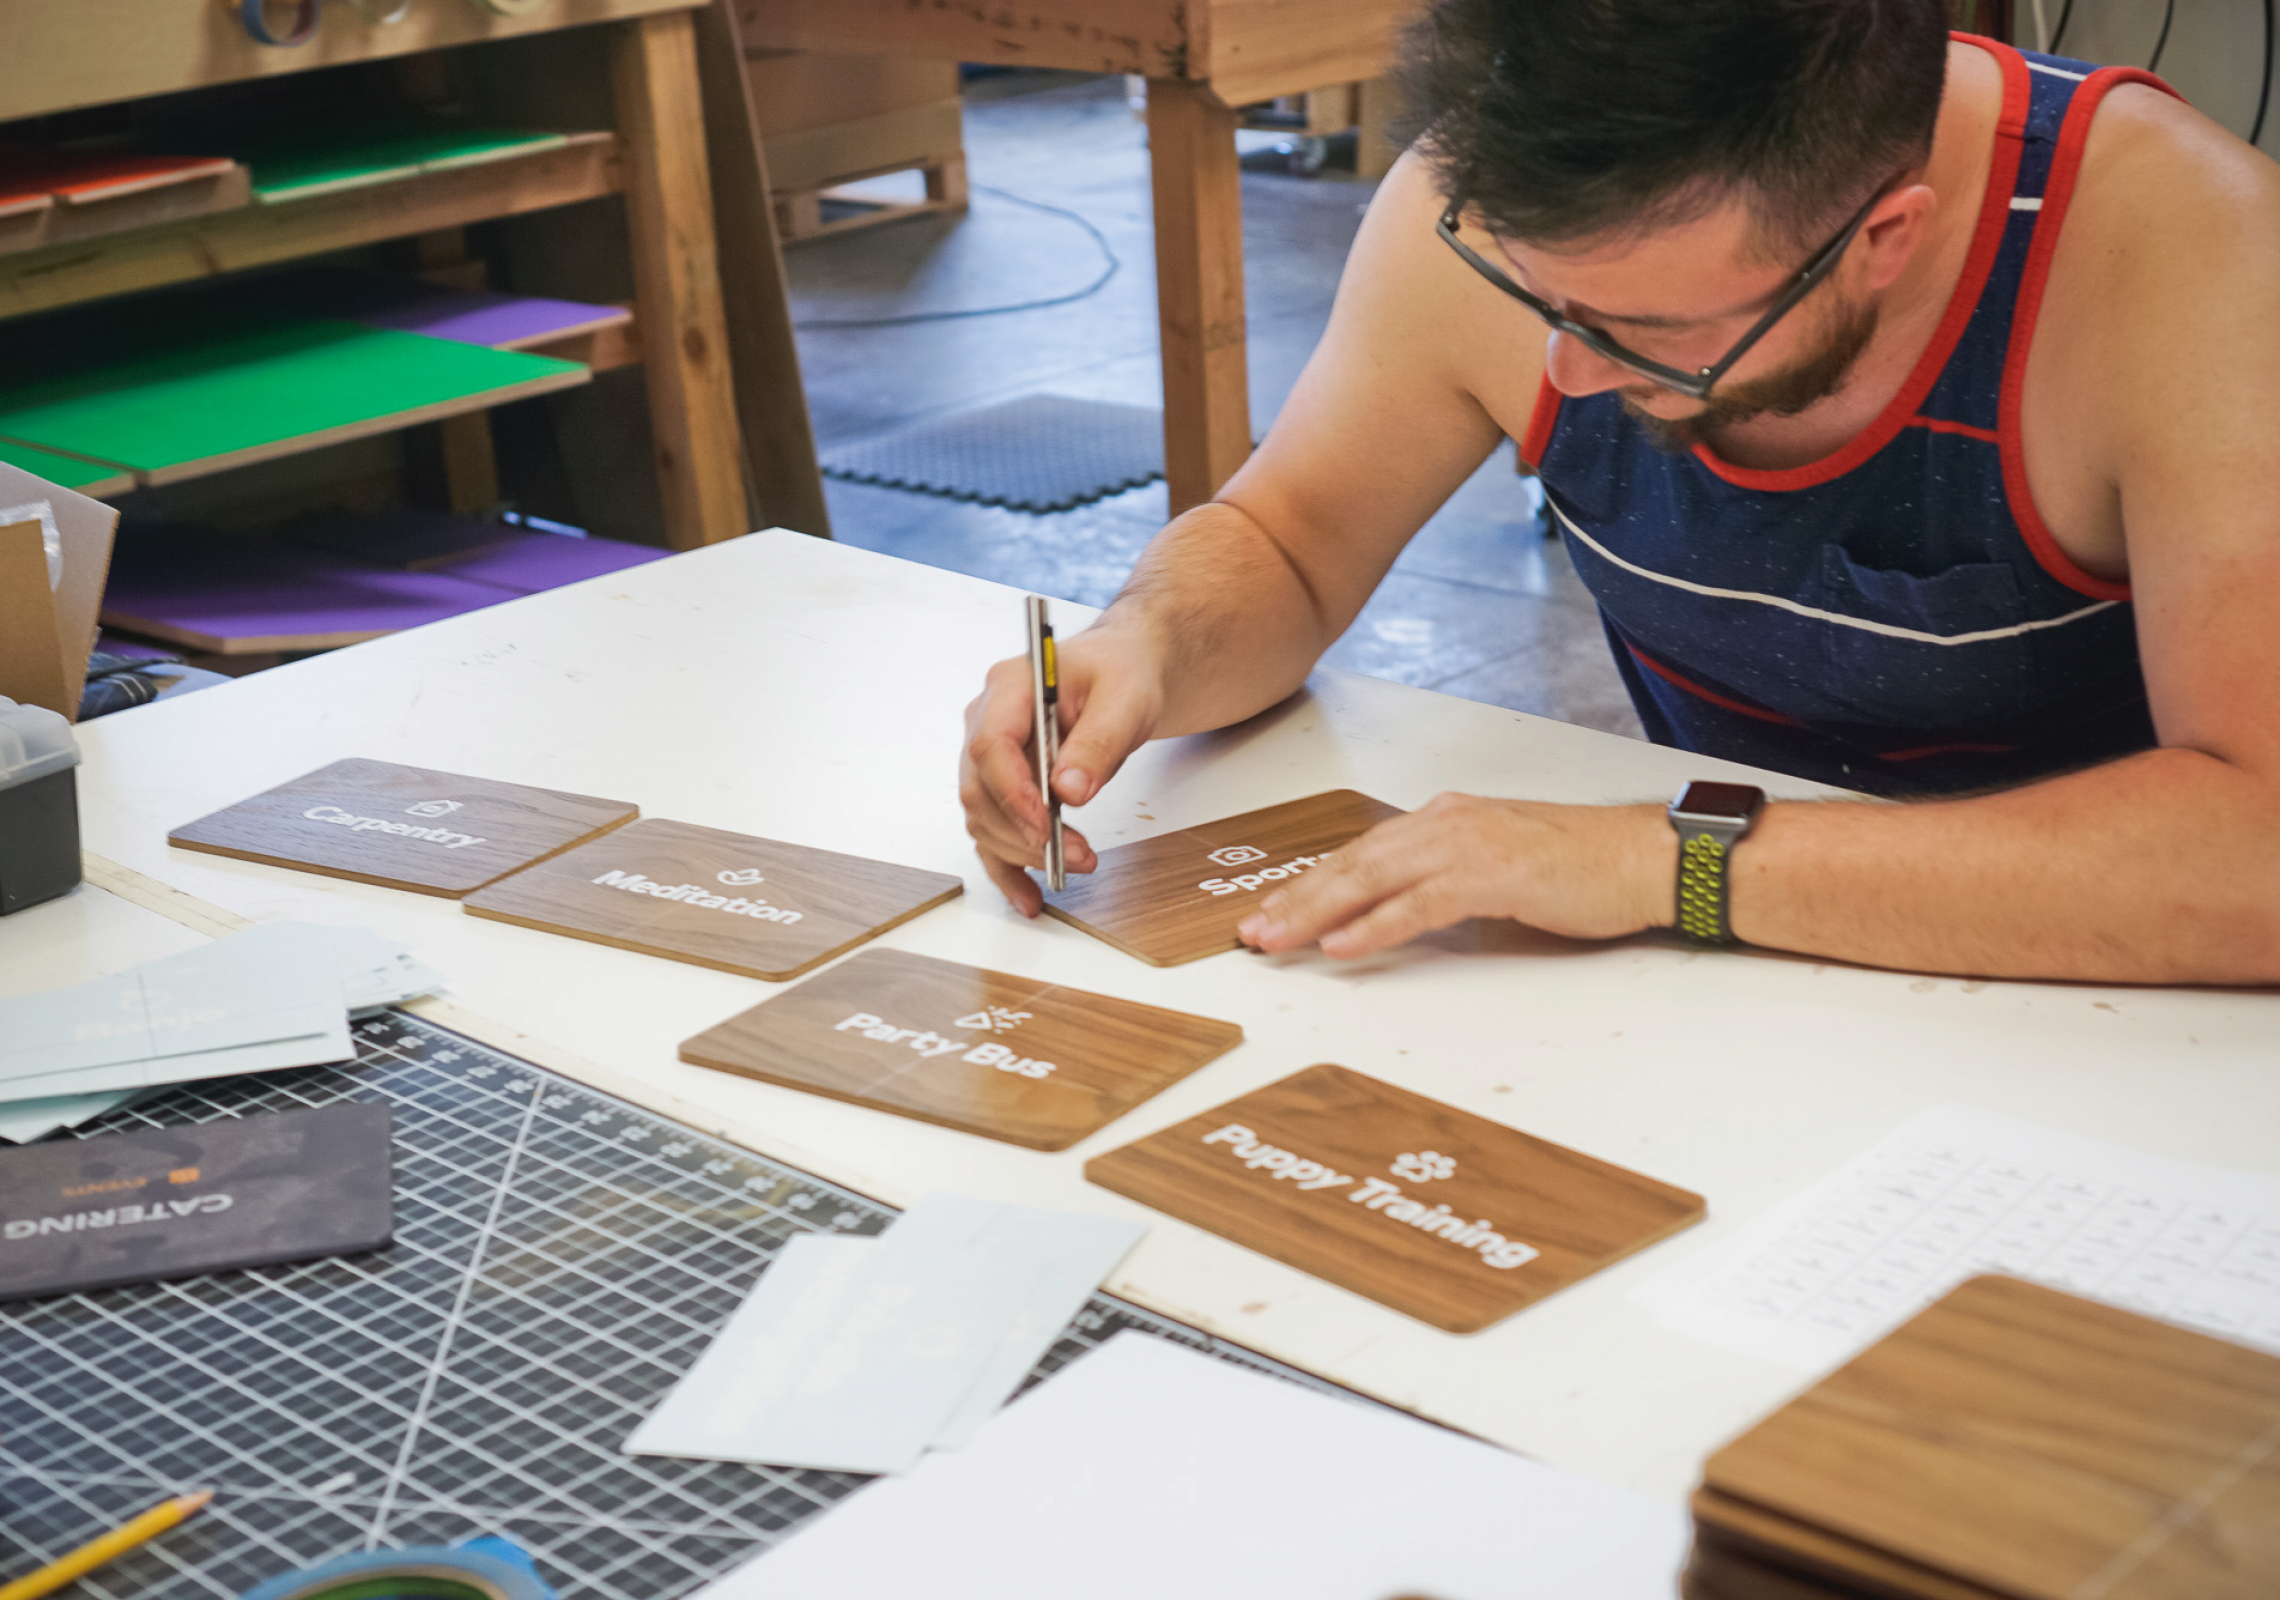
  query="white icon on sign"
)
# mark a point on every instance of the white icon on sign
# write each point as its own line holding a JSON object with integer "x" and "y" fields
{"x": 1236, "y": 855}
{"x": 432, "y": 808}
{"x": 741, "y": 877}
{"x": 997, "y": 1019}
{"x": 1423, "y": 1166}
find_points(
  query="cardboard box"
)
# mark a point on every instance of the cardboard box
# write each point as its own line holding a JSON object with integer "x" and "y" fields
{"x": 55, "y": 554}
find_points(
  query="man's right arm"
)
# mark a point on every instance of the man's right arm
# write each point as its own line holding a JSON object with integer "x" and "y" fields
{"x": 1231, "y": 605}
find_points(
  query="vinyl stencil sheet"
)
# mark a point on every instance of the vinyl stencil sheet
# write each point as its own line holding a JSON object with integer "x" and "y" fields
{"x": 1149, "y": 1472}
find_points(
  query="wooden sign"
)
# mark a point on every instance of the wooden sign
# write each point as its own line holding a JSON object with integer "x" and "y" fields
{"x": 2013, "y": 1440}
{"x": 1453, "y": 1219}
{"x": 984, "y": 1052}
{"x": 759, "y": 907}
{"x": 435, "y": 833}
{"x": 1178, "y": 897}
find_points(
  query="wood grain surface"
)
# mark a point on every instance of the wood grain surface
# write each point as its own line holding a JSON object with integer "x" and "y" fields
{"x": 1178, "y": 897}
{"x": 2031, "y": 1444}
{"x": 1736, "y": 1541}
{"x": 512, "y": 826}
{"x": 759, "y": 907}
{"x": 985, "y": 1052}
{"x": 1448, "y": 1217}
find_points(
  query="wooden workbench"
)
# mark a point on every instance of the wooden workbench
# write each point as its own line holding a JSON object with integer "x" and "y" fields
{"x": 1740, "y": 1075}
{"x": 62, "y": 57}
{"x": 1202, "y": 60}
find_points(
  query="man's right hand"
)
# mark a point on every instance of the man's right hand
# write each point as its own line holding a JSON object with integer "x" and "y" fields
{"x": 1112, "y": 698}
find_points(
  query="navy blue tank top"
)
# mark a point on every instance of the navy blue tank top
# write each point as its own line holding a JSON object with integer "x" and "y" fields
{"x": 1894, "y": 617}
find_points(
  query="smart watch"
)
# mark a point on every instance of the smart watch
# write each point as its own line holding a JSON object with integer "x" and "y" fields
{"x": 1711, "y": 818}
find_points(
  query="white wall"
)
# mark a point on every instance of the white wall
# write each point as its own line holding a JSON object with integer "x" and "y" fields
{"x": 2215, "y": 56}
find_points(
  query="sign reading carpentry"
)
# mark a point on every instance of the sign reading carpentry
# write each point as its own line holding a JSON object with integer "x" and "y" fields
{"x": 405, "y": 827}
{"x": 1450, "y": 1218}
{"x": 759, "y": 907}
{"x": 985, "y": 1052}
{"x": 1178, "y": 897}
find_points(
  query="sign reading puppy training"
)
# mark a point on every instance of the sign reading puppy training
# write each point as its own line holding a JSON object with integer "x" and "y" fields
{"x": 1445, "y": 1216}
{"x": 759, "y": 907}
{"x": 1179, "y": 896}
{"x": 1010, "y": 1058}
{"x": 438, "y": 833}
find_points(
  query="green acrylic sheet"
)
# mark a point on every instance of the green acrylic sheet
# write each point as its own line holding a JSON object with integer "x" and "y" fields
{"x": 166, "y": 383}
{"x": 68, "y": 471}
{"x": 313, "y": 162}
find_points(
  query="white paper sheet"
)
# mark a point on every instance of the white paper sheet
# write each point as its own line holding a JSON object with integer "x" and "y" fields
{"x": 22, "y": 1121}
{"x": 1146, "y": 1470}
{"x": 1956, "y": 1192}
{"x": 276, "y": 995}
{"x": 858, "y": 1355}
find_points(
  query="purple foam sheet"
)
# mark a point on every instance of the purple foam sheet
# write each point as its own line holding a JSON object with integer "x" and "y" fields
{"x": 267, "y": 591}
{"x": 538, "y": 561}
{"x": 480, "y": 316}
{"x": 413, "y": 305}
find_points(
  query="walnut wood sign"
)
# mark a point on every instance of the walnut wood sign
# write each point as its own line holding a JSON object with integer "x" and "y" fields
{"x": 1179, "y": 896}
{"x": 984, "y": 1052}
{"x": 436, "y": 833}
{"x": 1452, "y": 1219}
{"x": 759, "y": 907}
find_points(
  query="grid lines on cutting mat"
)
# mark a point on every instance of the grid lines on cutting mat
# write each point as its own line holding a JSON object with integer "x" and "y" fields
{"x": 561, "y": 1257}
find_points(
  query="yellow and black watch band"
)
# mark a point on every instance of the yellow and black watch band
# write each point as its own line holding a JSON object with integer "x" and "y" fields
{"x": 1711, "y": 818}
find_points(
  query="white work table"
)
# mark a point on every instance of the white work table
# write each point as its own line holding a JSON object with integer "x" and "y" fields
{"x": 786, "y": 687}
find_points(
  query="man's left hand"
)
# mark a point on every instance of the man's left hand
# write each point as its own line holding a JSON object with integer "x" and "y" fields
{"x": 1586, "y": 872}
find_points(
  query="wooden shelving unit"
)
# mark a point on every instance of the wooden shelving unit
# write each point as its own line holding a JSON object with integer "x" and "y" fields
{"x": 68, "y": 55}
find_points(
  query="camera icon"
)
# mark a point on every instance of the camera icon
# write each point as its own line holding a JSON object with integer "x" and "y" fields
{"x": 1237, "y": 855}
{"x": 432, "y": 808}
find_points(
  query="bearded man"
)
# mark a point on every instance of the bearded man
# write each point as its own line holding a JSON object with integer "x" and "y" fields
{"x": 1907, "y": 403}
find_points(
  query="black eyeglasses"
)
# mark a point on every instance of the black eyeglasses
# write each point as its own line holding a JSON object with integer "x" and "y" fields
{"x": 1694, "y": 385}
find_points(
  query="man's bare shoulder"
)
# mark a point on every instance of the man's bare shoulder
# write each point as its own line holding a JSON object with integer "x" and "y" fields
{"x": 2168, "y": 197}
{"x": 1419, "y": 302}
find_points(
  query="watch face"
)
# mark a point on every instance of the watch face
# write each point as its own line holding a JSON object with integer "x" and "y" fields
{"x": 1719, "y": 802}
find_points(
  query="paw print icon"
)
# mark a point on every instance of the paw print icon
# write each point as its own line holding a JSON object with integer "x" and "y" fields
{"x": 1423, "y": 1166}
{"x": 1237, "y": 855}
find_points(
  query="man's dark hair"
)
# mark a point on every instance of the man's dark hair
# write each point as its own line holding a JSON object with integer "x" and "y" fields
{"x": 1561, "y": 120}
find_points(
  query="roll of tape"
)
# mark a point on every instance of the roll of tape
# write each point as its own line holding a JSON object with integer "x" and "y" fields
{"x": 509, "y": 8}
{"x": 254, "y": 15}
{"x": 481, "y": 1569}
{"x": 380, "y": 12}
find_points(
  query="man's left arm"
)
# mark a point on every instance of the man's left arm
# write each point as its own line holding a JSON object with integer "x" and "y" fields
{"x": 2162, "y": 867}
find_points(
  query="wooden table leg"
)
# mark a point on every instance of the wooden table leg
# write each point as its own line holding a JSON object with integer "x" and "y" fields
{"x": 676, "y": 278}
{"x": 779, "y": 438}
{"x": 1199, "y": 288}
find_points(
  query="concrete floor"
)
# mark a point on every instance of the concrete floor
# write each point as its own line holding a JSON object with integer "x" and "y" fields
{"x": 1480, "y": 605}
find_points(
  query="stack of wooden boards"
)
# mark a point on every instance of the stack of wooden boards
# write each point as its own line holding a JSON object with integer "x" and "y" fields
{"x": 2010, "y": 1443}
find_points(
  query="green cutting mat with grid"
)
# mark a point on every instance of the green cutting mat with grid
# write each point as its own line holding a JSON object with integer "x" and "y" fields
{"x": 561, "y": 1257}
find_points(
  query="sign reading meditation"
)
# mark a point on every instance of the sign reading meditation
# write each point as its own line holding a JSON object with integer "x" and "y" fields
{"x": 759, "y": 907}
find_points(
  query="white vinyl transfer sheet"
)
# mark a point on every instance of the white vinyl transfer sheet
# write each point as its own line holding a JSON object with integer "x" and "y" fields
{"x": 1956, "y": 1192}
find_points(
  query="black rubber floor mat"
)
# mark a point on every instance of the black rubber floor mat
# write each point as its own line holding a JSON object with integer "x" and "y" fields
{"x": 1042, "y": 452}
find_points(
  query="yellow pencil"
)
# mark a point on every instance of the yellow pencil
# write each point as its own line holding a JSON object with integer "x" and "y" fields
{"x": 110, "y": 1547}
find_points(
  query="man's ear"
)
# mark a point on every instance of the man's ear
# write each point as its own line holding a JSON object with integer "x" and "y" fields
{"x": 1895, "y": 231}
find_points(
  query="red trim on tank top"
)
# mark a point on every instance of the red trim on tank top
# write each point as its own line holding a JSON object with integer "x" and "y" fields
{"x": 1968, "y": 430}
{"x": 1711, "y": 695}
{"x": 2065, "y": 168}
{"x": 1922, "y": 751}
{"x": 1541, "y": 419}
{"x": 1986, "y": 242}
